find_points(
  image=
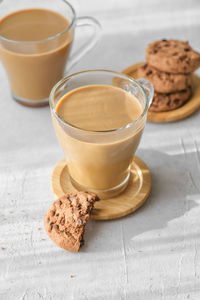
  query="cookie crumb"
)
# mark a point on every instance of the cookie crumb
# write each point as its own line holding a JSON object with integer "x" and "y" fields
{"x": 39, "y": 228}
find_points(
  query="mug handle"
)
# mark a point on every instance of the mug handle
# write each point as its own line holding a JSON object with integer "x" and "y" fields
{"x": 89, "y": 44}
{"x": 148, "y": 88}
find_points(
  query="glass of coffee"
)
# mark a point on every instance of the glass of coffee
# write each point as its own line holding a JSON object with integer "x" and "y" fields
{"x": 99, "y": 117}
{"x": 35, "y": 41}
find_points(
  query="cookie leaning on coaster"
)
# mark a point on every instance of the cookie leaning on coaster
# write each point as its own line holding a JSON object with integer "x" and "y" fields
{"x": 67, "y": 217}
{"x": 171, "y": 101}
{"x": 164, "y": 82}
{"x": 172, "y": 56}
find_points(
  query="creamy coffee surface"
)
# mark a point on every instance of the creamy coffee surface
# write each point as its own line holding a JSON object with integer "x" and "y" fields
{"x": 99, "y": 108}
{"x": 32, "y": 24}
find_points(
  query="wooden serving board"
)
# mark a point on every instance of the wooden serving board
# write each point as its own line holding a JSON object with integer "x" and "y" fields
{"x": 177, "y": 114}
{"x": 132, "y": 197}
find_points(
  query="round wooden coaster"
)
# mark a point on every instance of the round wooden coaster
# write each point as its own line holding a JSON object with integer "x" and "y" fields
{"x": 177, "y": 114}
{"x": 132, "y": 198}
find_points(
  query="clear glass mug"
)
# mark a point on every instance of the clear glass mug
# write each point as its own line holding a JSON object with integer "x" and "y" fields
{"x": 34, "y": 67}
{"x": 99, "y": 161}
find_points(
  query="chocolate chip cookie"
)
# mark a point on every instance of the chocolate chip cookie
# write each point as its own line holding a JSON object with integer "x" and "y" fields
{"x": 172, "y": 56}
{"x": 167, "y": 102}
{"x": 67, "y": 217}
{"x": 164, "y": 82}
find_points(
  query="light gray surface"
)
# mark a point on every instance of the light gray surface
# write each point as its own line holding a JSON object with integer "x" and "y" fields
{"x": 151, "y": 254}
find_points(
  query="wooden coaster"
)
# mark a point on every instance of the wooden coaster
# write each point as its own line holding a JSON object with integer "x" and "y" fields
{"x": 177, "y": 114}
{"x": 132, "y": 198}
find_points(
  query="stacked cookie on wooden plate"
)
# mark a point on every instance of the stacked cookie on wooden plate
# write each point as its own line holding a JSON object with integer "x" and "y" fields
{"x": 169, "y": 66}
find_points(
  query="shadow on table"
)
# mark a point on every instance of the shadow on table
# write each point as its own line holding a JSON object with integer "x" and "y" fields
{"x": 108, "y": 243}
{"x": 172, "y": 183}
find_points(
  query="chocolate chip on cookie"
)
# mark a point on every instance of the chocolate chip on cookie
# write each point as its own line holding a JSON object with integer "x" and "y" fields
{"x": 172, "y": 56}
{"x": 164, "y": 82}
{"x": 67, "y": 217}
{"x": 167, "y": 102}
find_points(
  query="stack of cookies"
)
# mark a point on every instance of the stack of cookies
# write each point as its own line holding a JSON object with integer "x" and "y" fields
{"x": 169, "y": 66}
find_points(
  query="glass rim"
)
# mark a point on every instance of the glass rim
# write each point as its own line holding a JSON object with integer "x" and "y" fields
{"x": 63, "y": 80}
{"x": 51, "y": 37}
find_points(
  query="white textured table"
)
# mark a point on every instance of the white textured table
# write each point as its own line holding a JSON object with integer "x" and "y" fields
{"x": 151, "y": 254}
